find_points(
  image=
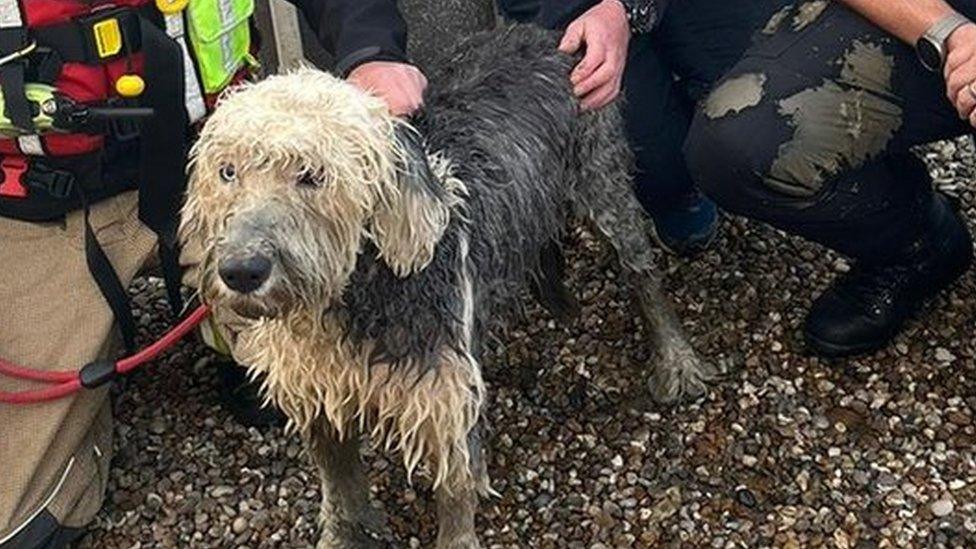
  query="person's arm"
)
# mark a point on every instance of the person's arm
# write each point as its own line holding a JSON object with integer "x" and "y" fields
{"x": 368, "y": 38}
{"x": 909, "y": 20}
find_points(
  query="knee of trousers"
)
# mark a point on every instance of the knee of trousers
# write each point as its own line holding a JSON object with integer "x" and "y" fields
{"x": 726, "y": 158}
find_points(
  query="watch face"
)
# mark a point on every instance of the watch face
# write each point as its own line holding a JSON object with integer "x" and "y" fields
{"x": 929, "y": 54}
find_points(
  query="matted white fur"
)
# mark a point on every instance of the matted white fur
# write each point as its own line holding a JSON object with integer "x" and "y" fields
{"x": 311, "y": 371}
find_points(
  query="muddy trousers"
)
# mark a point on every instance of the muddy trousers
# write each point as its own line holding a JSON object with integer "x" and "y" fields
{"x": 54, "y": 456}
{"x": 811, "y": 131}
{"x": 668, "y": 70}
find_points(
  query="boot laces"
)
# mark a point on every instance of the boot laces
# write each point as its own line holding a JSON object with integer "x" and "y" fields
{"x": 876, "y": 287}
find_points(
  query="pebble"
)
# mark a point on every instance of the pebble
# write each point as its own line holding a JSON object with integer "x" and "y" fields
{"x": 942, "y": 507}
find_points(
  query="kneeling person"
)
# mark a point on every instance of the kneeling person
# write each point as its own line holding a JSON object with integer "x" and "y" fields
{"x": 811, "y": 131}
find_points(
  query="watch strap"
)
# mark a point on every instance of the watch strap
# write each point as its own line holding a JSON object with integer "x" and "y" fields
{"x": 940, "y": 32}
{"x": 642, "y": 14}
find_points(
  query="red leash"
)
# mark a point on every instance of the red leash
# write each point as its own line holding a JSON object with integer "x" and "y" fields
{"x": 67, "y": 382}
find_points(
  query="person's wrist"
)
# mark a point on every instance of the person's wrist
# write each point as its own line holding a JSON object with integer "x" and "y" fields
{"x": 641, "y": 15}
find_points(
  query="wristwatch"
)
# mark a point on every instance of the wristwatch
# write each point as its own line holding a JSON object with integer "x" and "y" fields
{"x": 641, "y": 14}
{"x": 931, "y": 47}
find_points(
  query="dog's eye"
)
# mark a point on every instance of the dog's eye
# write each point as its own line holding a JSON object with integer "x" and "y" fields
{"x": 228, "y": 173}
{"x": 309, "y": 179}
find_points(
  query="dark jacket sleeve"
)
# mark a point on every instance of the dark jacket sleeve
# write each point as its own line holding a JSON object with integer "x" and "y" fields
{"x": 643, "y": 15}
{"x": 356, "y": 31}
{"x": 557, "y": 14}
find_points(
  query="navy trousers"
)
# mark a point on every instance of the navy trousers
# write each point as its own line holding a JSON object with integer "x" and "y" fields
{"x": 667, "y": 71}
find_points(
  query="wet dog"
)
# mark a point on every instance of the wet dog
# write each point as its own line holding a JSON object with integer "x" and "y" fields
{"x": 356, "y": 260}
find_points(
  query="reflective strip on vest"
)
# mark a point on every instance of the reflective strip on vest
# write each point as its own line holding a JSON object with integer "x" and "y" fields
{"x": 31, "y": 145}
{"x": 227, "y": 16}
{"x": 196, "y": 109}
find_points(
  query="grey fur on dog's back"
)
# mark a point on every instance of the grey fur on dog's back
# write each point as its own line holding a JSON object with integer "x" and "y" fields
{"x": 503, "y": 112}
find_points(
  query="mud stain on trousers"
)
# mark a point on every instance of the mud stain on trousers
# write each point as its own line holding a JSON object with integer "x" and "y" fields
{"x": 776, "y": 20}
{"x": 807, "y": 13}
{"x": 735, "y": 95}
{"x": 839, "y": 125}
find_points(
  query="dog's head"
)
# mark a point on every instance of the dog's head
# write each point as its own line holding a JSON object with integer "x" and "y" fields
{"x": 289, "y": 176}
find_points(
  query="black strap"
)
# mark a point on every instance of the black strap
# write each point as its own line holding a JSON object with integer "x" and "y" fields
{"x": 163, "y": 145}
{"x": 74, "y": 41}
{"x": 169, "y": 259}
{"x": 108, "y": 282}
{"x": 16, "y": 106}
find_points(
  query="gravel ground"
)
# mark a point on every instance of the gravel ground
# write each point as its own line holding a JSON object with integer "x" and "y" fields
{"x": 787, "y": 450}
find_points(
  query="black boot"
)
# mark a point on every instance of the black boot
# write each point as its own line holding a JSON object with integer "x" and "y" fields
{"x": 242, "y": 398}
{"x": 867, "y": 307}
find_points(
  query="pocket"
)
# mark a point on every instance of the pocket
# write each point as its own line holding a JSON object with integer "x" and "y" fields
{"x": 111, "y": 219}
{"x": 795, "y": 23}
{"x": 220, "y": 34}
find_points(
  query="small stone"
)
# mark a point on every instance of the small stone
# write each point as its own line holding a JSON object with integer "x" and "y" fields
{"x": 745, "y": 497}
{"x": 943, "y": 507}
{"x": 749, "y": 461}
{"x": 157, "y": 425}
{"x": 239, "y": 525}
{"x": 944, "y": 355}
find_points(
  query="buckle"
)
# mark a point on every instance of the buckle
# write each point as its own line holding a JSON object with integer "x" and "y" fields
{"x": 13, "y": 168}
{"x": 108, "y": 37}
{"x": 57, "y": 183}
{"x": 105, "y": 33}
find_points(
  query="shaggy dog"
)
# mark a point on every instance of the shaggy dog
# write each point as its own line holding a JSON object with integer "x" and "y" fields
{"x": 357, "y": 260}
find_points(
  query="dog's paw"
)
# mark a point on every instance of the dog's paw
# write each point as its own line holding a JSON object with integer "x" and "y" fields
{"x": 350, "y": 535}
{"x": 467, "y": 541}
{"x": 680, "y": 375}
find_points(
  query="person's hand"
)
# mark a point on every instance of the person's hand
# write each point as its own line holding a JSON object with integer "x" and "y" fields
{"x": 400, "y": 85}
{"x": 960, "y": 71}
{"x": 605, "y": 33}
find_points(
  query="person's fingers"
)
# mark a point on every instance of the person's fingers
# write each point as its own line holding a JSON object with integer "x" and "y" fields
{"x": 954, "y": 60}
{"x": 572, "y": 39}
{"x": 972, "y": 118}
{"x": 598, "y": 78}
{"x": 601, "y": 96}
{"x": 965, "y": 102}
{"x": 961, "y": 76}
{"x": 596, "y": 54}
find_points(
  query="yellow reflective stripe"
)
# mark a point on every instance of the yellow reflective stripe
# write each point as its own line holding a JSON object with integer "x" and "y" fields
{"x": 227, "y": 16}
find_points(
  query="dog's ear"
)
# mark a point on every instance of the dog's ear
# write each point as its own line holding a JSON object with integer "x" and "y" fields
{"x": 413, "y": 211}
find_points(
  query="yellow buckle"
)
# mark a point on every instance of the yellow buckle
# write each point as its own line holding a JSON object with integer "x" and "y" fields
{"x": 108, "y": 37}
{"x": 170, "y": 7}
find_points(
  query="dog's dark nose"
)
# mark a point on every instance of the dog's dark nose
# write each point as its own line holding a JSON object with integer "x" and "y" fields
{"x": 245, "y": 274}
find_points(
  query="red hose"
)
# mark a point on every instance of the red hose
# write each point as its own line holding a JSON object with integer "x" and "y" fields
{"x": 12, "y": 370}
{"x": 67, "y": 382}
{"x": 53, "y": 392}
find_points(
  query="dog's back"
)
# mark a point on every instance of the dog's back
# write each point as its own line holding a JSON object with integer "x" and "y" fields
{"x": 502, "y": 113}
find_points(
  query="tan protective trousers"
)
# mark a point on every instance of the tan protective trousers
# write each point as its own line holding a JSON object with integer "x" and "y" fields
{"x": 54, "y": 456}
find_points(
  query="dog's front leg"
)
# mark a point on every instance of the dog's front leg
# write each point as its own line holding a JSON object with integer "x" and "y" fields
{"x": 457, "y": 499}
{"x": 347, "y": 519}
